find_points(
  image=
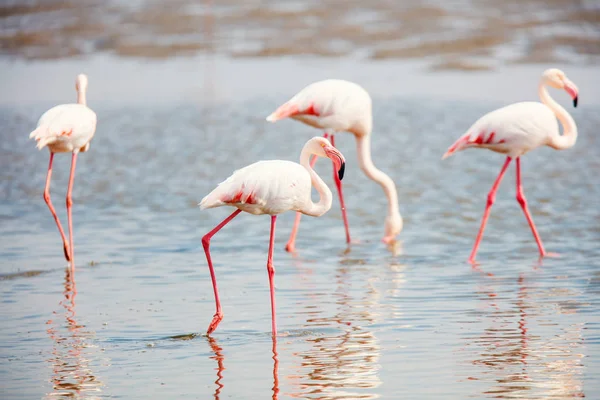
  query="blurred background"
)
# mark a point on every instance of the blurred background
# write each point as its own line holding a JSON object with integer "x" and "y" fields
{"x": 181, "y": 89}
{"x": 458, "y": 34}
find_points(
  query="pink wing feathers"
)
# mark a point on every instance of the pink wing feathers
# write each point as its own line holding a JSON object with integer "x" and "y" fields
{"x": 475, "y": 138}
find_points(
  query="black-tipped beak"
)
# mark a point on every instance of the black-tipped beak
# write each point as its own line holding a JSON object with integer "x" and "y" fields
{"x": 575, "y": 101}
{"x": 341, "y": 171}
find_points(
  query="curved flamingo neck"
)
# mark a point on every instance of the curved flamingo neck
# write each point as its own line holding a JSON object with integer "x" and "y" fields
{"x": 325, "y": 196}
{"x": 569, "y": 135}
{"x": 363, "y": 146}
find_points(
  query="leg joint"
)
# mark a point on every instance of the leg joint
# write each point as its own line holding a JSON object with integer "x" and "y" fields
{"x": 205, "y": 241}
{"x": 491, "y": 199}
{"x": 521, "y": 198}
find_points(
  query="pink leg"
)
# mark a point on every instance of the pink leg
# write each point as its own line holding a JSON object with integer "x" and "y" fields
{"x": 53, "y": 211}
{"x": 523, "y": 202}
{"x": 69, "y": 205}
{"x": 206, "y": 244}
{"x": 338, "y": 184}
{"x": 271, "y": 272}
{"x": 490, "y": 201}
{"x": 291, "y": 243}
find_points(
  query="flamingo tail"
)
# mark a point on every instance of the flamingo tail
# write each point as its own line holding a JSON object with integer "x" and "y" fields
{"x": 284, "y": 111}
{"x": 42, "y": 136}
{"x": 461, "y": 144}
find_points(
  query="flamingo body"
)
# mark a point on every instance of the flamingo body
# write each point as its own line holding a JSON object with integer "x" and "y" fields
{"x": 65, "y": 128}
{"x": 512, "y": 130}
{"x": 332, "y": 104}
{"x": 265, "y": 187}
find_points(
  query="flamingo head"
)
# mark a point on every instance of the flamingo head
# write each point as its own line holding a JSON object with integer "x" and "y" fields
{"x": 393, "y": 226}
{"x": 81, "y": 83}
{"x": 323, "y": 148}
{"x": 557, "y": 79}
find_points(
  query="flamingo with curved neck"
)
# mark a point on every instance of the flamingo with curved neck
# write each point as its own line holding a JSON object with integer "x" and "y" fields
{"x": 516, "y": 129}
{"x": 340, "y": 106}
{"x": 272, "y": 187}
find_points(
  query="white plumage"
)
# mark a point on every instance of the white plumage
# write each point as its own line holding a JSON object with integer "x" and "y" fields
{"x": 65, "y": 128}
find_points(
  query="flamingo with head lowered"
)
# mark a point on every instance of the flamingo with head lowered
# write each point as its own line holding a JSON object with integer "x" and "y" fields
{"x": 272, "y": 187}
{"x": 516, "y": 129}
{"x": 66, "y": 128}
{"x": 341, "y": 106}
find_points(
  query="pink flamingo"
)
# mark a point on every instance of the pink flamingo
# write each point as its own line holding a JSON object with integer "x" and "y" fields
{"x": 516, "y": 129}
{"x": 272, "y": 187}
{"x": 66, "y": 128}
{"x": 341, "y": 106}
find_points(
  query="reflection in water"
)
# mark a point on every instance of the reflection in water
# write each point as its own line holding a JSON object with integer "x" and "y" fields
{"x": 71, "y": 373}
{"x": 219, "y": 357}
{"x": 343, "y": 366}
{"x": 275, "y": 370}
{"x": 218, "y": 350}
{"x": 520, "y": 364}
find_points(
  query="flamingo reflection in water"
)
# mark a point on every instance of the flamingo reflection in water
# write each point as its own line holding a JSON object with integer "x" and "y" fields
{"x": 70, "y": 358}
{"x": 529, "y": 358}
{"x": 220, "y": 358}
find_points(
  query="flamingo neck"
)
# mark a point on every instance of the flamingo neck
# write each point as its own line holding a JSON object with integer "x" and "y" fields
{"x": 363, "y": 146}
{"x": 569, "y": 135}
{"x": 81, "y": 97}
{"x": 325, "y": 197}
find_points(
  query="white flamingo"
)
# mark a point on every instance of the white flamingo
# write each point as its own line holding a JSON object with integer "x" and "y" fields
{"x": 66, "y": 128}
{"x": 341, "y": 106}
{"x": 518, "y": 128}
{"x": 272, "y": 187}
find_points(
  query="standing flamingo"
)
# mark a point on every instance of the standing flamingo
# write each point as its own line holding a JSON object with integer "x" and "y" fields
{"x": 341, "y": 106}
{"x": 516, "y": 129}
{"x": 272, "y": 187}
{"x": 66, "y": 128}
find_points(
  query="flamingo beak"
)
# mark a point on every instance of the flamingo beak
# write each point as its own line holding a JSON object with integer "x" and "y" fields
{"x": 572, "y": 90}
{"x": 337, "y": 158}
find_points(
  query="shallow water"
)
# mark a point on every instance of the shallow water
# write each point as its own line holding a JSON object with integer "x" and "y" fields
{"x": 364, "y": 322}
{"x": 360, "y": 322}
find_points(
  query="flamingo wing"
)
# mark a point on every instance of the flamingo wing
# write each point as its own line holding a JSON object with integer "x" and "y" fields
{"x": 265, "y": 187}
{"x": 73, "y": 122}
{"x": 512, "y": 130}
{"x": 330, "y": 104}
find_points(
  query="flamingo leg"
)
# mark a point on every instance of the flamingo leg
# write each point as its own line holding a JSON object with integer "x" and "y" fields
{"x": 69, "y": 207}
{"x": 53, "y": 211}
{"x": 206, "y": 244}
{"x": 338, "y": 185}
{"x": 490, "y": 201}
{"x": 271, "y": 272}
{"x": 523, "y": 202}
{"x": 290, "y": 246}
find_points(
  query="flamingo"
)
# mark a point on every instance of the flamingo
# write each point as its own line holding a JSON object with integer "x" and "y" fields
{"x": 271, "y": 187}
{"x": 516, "y": 129}
{"x": 341, "y": 106}
{"x": 66, "y": 128}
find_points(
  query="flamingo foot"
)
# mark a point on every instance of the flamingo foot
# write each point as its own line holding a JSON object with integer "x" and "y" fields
{"x": 67, "y": 252}
{"x": 552, "y": 255}
{"x": 215, "y": 322}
